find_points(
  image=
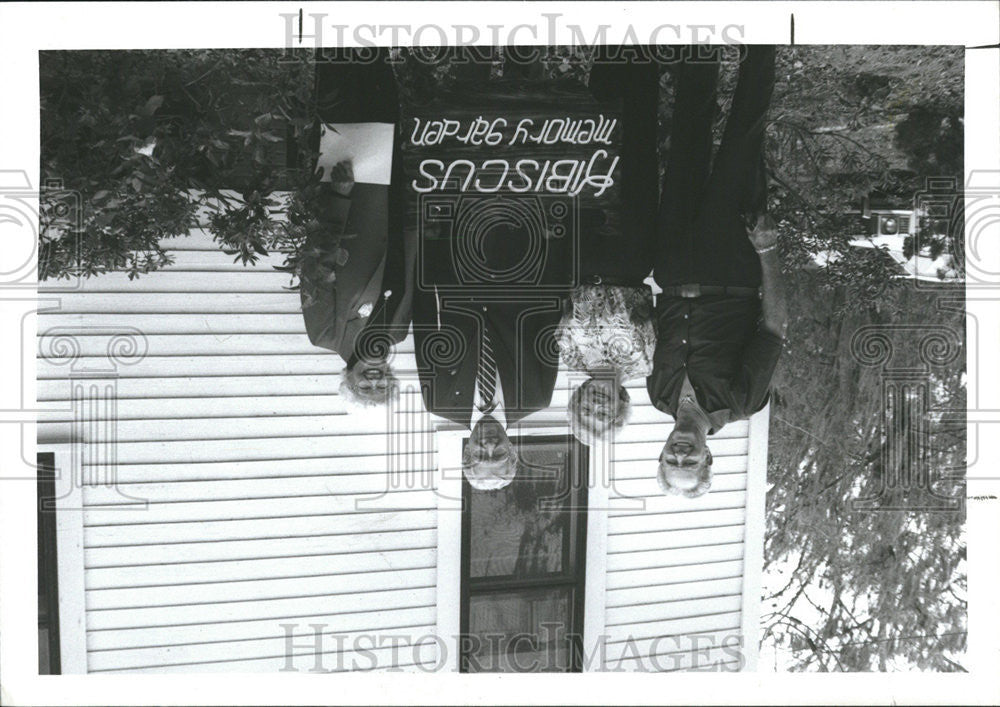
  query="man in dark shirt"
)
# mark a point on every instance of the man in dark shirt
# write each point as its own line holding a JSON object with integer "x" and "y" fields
{"x": 721, "y": 316}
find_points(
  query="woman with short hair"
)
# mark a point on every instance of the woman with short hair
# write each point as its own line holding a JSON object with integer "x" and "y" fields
{"x": 607, "y": 329}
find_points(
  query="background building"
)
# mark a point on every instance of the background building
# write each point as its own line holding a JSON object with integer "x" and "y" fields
{"x": 272, "y": 508}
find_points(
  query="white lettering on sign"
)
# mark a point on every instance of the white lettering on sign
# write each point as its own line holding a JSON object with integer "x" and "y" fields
{"x": 562, "y": 176}
{"x": 566, "y": 176}
{"x": 478, "y": 132}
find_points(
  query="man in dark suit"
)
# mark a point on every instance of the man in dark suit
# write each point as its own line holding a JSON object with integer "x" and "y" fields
{"x": 486, "y": 357}
{"x": 484, "y": 313}
{"x": 721, "y": 316}
{"x": 355, "y": 297}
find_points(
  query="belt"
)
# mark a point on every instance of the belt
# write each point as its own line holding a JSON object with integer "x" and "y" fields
{"x": 693, "y": 290}
{"x": 612, "y": 280}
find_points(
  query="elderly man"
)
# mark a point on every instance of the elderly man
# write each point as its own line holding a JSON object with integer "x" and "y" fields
{"x": 357, "y": 266}
{"x": 721, "y": 316}
{"x": 483, "y": 322}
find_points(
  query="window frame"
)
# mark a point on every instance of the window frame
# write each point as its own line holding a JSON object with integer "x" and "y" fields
{"x": 67, "y": 482}
{"x": 48, "y": 557}
{"x": 574, "y": 572}
{"x": 448, "y": 485}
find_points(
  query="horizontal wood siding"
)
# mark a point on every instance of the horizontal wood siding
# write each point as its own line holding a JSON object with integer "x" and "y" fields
{"x": 674, "y": 583}
{"x": 242, "y": 502}
{"x": 247, "y": 504}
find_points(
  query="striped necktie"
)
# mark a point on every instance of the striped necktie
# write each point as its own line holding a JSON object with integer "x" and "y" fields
{"x": 487, "y": 377}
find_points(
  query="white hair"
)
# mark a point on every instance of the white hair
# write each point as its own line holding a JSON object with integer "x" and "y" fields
{"x": 356, "y": 400}
{"x": 585, "y": 431}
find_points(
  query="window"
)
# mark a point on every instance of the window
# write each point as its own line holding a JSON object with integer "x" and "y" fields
{"x": 523, "y": 555}
{"x": 48, "y": 574}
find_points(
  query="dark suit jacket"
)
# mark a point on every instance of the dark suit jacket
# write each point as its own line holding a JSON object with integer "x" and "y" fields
{"x": 392, "y": 314}
{"x": 449, "y": 312}
{"x": 353, "y": 87}
{"x": 447, "y": 335}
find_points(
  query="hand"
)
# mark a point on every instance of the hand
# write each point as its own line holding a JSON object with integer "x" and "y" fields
{"x": 318, "y": 266}
{"x": 764, "y": 233}
{"x": 342, "y": 177}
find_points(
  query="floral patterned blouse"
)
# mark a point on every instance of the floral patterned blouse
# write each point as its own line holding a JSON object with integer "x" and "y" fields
{"x": 610, "y": 327}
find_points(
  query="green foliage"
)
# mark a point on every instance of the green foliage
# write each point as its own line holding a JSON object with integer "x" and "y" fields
{"x": 149, "y": 144}
{"x": 851, "y": 121}
{"x": 848, "y": 590}
{"x": 145, "y": 141}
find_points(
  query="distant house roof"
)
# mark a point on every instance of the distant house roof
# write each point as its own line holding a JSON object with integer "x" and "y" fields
{"x": 919, "y": 265}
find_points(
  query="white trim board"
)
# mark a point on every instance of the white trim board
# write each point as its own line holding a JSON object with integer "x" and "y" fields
{"x": 449, "y": 552}
{"x": 753, "y": 538}
{"x": 596, "y": 579}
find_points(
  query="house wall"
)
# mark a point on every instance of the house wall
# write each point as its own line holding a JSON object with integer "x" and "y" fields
{"x": 270, "y": 508}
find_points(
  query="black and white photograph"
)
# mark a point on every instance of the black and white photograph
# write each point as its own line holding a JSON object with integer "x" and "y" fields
{"x": 655, "y": 343}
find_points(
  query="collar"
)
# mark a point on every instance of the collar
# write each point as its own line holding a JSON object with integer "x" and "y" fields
{"x": 716, "y": 420}
{"x": 498, "y": 412}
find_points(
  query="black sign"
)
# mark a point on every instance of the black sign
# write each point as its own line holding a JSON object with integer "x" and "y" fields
{"x": 505, "y": 180}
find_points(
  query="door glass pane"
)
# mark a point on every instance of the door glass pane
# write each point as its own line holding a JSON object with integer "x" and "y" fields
{"x": 521, "y": 530}
{"x": 520, "y": 631}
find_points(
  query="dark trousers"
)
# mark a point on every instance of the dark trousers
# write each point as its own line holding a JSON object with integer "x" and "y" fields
{"x": 701, "y": 224}
{"x": 631, "y": 75}
{"x": 356, "y": 86}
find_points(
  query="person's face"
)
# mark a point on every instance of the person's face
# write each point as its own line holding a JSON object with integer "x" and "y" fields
{"x": 369, "y": 377}
{"x": 489, "y": 446}
{"x": 682, "y": 458}
{"x": 490, "y": 462}
{"x": 598, "y": 400}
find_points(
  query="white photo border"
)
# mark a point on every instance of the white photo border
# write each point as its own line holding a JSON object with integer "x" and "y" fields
{"x": 26, "y": 28}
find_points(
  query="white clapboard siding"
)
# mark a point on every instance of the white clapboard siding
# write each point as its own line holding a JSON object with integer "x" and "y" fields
{"x": 201, "y": 387}
{"x": 638, "y": 523}
{"x": 666, "y": 576}
{"x": 258, "y": 423}
{"x": 271, "y": 406}
{"x": 187, "y": 303}
{"x": 246, "y": 630}
{"x": 414, "y": 645}
{"x": 674, "y": 588}
{"x": 399, "y": 657}
{"x": 242, "y": 493}
{"x": 284, "y": 587}
{"x": 206, "y": 324}
{"x": 340, "y": 519}
{"x": 98, "y": 619}
{"x": 250, "y": 280}
{"x": 227, "y": 386}
{"x": 233, "y": 572}
{"x": 180, "y": 552}
{"x": 245, "y": 501}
